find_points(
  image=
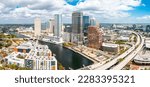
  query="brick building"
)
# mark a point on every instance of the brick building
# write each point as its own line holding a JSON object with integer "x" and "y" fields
{"x": 94, "y": 37}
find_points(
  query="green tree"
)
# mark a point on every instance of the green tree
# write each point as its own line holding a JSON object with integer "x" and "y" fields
{"x": 120, "y": 60}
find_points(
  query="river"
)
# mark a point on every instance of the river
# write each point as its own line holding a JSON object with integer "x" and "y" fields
{"x": 67, "y": 57}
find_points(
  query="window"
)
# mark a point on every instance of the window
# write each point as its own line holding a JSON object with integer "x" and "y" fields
{"x": 52, "y": 63}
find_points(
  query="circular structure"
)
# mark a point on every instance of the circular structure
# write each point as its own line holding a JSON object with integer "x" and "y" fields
{"x": 142, "y": 60}
{"x": 143, "y": 57}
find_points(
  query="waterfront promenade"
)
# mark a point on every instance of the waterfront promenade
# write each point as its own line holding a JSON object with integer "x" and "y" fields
{"x": 98, "y": 57}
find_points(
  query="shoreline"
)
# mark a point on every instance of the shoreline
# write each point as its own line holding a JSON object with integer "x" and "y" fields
{"x": 86, "y": 57}
{"x": 94, "y": 61}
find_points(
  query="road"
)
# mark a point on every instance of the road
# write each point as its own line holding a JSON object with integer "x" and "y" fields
{"x": 115, "y": 60}
{"x": 129, "y": 57}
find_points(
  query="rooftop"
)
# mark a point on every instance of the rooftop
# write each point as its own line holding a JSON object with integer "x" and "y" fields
{"x": 110, "y": 45}
{"x": 147, "y": 43}
{"x": 40, "y": 52}
{"x": 123, "y": 38}
{"x": 143, "y": 56}
{"x": 13, "y": 57}
{"x": 26, "y": 45}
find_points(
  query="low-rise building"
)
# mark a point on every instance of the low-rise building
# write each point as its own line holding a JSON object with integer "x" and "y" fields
{"x": 38, "y": 58}
{"x": 53, "y": 39}
{"x": 109, "y": 37}
{"x": 125, "y": 33}
{"x": 123, "y": 38}
{"x": 25, "y": 47}
{"x": 109, "y": 47}
{"x": 16, "y": 58}
{"x": 147, "y": 43}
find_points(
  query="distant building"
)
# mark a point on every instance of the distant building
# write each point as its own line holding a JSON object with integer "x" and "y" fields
{"x": 48, "y": 26}
{"x": 77, "y": 27}
{"x": 51, "y": 26}
{"x": 37, "y": 27}
{"x": 86, "y": 24}
{"x": 109, "y": 47}
{"x": 94, "y": 22}
{"x": 125, "y": 33}
{"x": 147, "y": 43}
{"x": 68, "y": 28}
{"x": 134, "y": 26}
{"x": 44, "y": 26}
{"x": 122, "y": 38}
{"x": 109, "y": 37}
{"x": 66, "y": 36}
{"x": 148, "y": 28}
{"x": 94, "y": 37}
{"x": 58, "y": 25}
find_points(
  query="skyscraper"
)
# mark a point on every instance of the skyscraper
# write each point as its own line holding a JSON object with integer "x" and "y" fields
{"x": 37, "y": 27}
{"x": 86, "y": 23}
{"x": 58, "y": 25}
{"x": 77, "y": 27}
{"x": 51, "y": 26}
{"x": 94, "y": 37}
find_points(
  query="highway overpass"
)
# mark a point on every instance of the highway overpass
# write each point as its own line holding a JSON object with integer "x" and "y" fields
{"x": 129, "y": 57}
{"x": 124, "y": 55}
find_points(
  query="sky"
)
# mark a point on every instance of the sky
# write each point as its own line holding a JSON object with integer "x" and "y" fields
{"x": 105, "y": 11}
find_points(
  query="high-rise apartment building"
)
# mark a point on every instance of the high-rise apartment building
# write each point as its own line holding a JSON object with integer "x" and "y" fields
{"x": 94, "y": 37}
{"x": 37, "y": 27}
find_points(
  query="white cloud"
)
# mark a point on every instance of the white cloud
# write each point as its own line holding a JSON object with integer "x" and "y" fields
{"x": 109, "y": 9}
{"x": 146, "y": 17}
{"x": 116, "y": 8}
{"x": 143, "y": 5}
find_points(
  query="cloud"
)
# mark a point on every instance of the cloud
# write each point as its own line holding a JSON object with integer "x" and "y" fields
{"x": 116, "y": 8}
{"x": 146, "y": 17}
{"x": 107, "y": 9}
{"x": 143, "y": 5}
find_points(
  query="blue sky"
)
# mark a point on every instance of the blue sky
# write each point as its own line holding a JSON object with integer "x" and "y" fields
{"x": 105, "y": 11}
{"x": 74, "y": 2}
{"x": 142, "y": 10}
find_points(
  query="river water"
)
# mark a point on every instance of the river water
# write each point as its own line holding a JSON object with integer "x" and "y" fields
{"x": 67, "y": 57}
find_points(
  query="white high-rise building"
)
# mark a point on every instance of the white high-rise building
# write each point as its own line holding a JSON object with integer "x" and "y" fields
{"x": 37, "y": 27}
{"x": 58, "y": 25}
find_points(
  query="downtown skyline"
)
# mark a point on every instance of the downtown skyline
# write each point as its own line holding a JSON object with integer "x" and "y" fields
{"x": 110, "y": 11}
